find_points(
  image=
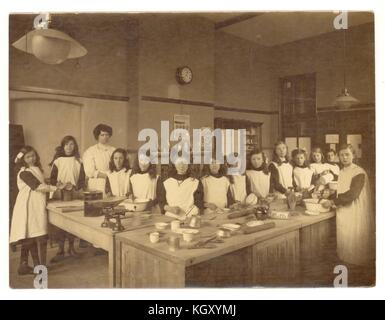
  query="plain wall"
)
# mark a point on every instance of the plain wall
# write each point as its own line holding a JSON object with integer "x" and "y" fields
{"x": 243, "y": 73}
{"x": 169, "y": 41}
{"x": 324, "y": 55}
{"x": 244, "y": 80}
{"x": 47, "y": 118}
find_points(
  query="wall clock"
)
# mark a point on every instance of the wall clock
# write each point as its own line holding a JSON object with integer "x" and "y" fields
{"x": 184, "y": 75}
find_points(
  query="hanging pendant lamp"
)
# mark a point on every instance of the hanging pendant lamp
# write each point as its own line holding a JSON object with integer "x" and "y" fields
{"x": 49, "y": 45}
{"x": 345, "y": 100}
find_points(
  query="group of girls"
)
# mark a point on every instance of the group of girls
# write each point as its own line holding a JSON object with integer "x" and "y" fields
{"x": 181, "y": 194}
{"x": 103, "y": 168}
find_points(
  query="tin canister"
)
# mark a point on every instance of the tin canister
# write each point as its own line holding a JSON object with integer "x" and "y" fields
{"x": 67, "y": 195}
{"x": 90, "y": 197}
{"x": 175, "y": 225}
{"x": 173, "y": 243}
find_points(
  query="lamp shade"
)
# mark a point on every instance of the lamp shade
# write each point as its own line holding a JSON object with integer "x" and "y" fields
{"x": 50, "y": 46}
{"x": 345, "y": 100}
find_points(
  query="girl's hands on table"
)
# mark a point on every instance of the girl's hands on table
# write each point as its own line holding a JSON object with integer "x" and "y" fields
{"x": 60, "y": 185}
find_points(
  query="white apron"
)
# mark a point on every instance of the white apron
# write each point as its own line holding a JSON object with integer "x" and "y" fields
{"x": 355, "y": 222}
{"x": 318, "y": 168}
{"x": 238, "y": 188}
{"x": 302, "y": 177}
{"x": 259, "y": 182}
{"x": 143, "y": 187}
{"x": 119, "y": 182}
{"x": 29, "y": 218}
{"x": 285, "y": 173}
{"x": 97, "y": 158}
{"x": 68, "y": 169}
{"x": 180, "y": 193}
{"x": 215, "y": 190}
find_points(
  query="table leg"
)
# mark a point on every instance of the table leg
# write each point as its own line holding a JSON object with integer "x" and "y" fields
{"x": 111, "y": 264}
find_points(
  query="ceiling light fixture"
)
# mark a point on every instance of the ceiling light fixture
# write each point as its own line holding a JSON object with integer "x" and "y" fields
{"x": 49, "y": 45}
{"x": 345, "y": 100}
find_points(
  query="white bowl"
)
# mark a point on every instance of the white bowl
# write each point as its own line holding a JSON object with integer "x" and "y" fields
{"x": 136, "y": 205}
{"x": 313, "y": 205}
{"x": 188, "y": 237}
{"x": 161, "y": 225}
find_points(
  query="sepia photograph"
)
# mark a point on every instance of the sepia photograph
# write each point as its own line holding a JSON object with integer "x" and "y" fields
{"x": 192, "y": 149}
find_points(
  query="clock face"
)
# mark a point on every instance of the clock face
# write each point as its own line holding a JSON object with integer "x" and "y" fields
{"x": 184, "y": 75}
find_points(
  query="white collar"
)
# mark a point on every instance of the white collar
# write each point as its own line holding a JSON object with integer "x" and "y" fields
{"x": 103, "y": 147}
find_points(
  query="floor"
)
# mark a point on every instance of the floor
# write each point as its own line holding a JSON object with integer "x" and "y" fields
{"x": 87, "y": 271}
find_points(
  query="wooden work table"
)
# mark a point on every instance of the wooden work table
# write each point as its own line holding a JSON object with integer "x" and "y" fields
{"x": 89, "y": 228}
{"x": 268, "y": 257}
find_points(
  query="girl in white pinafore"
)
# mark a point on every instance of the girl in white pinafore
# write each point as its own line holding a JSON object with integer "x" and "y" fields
{"x": 302, "y": 173}
{"x": 238, "y": 188}
{"x": 258, "y": 174}
{"x": 216, "y": 187}
{"x": 355, "y": 219}
{"x": 181, "y": 194}
{"x": 29, "y": 219}
{"x": 333, "y": 165}
{"x": 67, "y": 170}
{"x": 322, "y": 174}
{"x": 118, "y": 178}
{"x": 281, "y": 178}
{"x": 143, "y": 181}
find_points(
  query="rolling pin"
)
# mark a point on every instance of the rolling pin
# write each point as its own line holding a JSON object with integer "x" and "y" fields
{"x": 268, "y": 225}
{"x": 242, "y": 213}
{"x": 70, "y": 208}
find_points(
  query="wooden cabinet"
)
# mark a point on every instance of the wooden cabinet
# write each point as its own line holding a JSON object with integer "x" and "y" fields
{"x": 298, "y": 106}
{"x": 253, "y": 131}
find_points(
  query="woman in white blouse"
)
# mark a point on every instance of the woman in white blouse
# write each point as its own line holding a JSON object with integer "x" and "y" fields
{"x": 97, "y": 157}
